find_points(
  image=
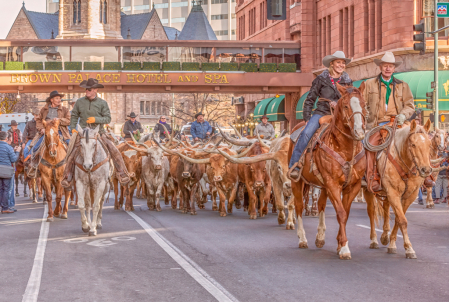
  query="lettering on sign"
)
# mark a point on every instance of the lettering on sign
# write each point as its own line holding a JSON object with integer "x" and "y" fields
{"x": 34, "y": 78}
{"x": 216, "y": 79}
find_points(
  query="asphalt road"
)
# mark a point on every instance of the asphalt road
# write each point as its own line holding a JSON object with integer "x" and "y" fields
{"x": 170, "y": 256}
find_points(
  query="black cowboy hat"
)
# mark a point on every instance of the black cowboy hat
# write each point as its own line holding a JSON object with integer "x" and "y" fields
{"x": 198, "y": 114}
{"x": 132, "y": 115}
{"x": 91, "y": 83}
{"x": 13, "y": 123}
{"x": 263, "y": 116}
{"x": 53, "y": 94}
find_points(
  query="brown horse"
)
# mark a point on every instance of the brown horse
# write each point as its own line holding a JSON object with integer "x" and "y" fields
{"x": 437, "y": 144}
{"x": 51, "y": 167}
{"x": 20, "y": 171}
{"x": 337, "y": 166}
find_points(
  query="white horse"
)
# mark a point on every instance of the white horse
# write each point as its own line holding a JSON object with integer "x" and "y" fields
{"x": 92, "y": 178}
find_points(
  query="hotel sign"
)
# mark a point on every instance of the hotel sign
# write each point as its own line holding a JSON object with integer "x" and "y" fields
{"x": 442, "y": 10}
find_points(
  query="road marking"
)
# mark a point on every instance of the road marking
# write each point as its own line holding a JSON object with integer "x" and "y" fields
{"x": 367, "y": 227}
{"x": 34, "y": 283}
{"x": 101, "y": 243}
{"x": 193, "y": 269}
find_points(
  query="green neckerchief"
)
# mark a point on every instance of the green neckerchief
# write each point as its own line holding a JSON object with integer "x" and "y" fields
{"x": 387, "y": 97}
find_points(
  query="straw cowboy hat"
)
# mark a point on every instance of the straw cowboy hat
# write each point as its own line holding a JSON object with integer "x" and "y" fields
{"x": 387, "y": 58}
{"x": 53, "y": 94}
{"x": 91, "y": 83}
{"x": 338, "y": 55}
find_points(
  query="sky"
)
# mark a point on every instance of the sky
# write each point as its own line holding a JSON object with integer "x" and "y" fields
{"x": 9, "y": 9}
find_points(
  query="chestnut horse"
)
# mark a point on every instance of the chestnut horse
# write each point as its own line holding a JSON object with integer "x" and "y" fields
{"x": 339, "y": 165}
{"x": 437, "y": 144}
{"x": 51, "y": 167}
{"x": 407, "y": 166}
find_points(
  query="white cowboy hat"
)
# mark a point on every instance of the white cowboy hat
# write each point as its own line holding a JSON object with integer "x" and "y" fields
{"x": 338, "y": 55}
{"x": 387, "y": 58}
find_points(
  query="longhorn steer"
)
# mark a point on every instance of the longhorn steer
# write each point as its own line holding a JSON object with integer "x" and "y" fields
{"x": 133, "y": 164}
{"x": 155, "y": 168}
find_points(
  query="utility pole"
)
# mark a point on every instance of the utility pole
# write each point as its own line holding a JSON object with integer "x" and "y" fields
{"x": 435, "y": 14}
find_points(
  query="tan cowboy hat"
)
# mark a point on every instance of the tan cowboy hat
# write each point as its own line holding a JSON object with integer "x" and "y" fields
{"x": 338, "y": 55}
{"x": 387, "y": 58}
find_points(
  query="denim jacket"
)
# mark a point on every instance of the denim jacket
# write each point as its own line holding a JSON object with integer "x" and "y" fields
{"x": 200, "y": 129}
{"x": 7, "y": 154}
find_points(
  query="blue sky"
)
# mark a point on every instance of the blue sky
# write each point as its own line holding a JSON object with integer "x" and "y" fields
{"x": 9, "y": 9}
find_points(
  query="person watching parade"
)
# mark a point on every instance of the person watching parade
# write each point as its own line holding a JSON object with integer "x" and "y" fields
{"x": 91, "y": 111}
{"x": 200, "y": 128}
{"x": 16, "y": 134}
{"x": 386, "y": 98}
{"x": 323, "y": 87}
{"x": 265, "y": 129}
{"x": 8, "y": 156}
{"x": 158, "y": 127}
{"x": 132, "y": 126}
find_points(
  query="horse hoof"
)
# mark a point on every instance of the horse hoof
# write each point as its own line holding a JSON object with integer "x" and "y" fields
{"x": 63, "y": 216}
{"x": 290, "y": 226}
{"x": 57, "y": 215}
{"x": 93, "y": 233}
{"x": 99, "y": 226}
{"x": 314, "y": 214}
{"x": 374, "y": 245}
{"x": 253, "y": 216}
{"x": 25, "y": 195}
{"x": 238, "y": 207}
{"x": 430, "y": 206}
{"x": 306, "y": 213}
{"x": 167, "y": 203}
{"x": 34, "y": 201}
{"x": 346, "y": 256}
{"x": 384, "y": 239}
{"x": 72, "y": 203}
{"x": 319, "y": 243}
{"x": 17, "y": 194}
{"x": 85, "y": 230}
{"x": 158, "y": 208}
{"x": 214, "y": 208}
{"x": 192, "y": 213}
{"x": 303, "y": 245}
{"x": 222, "y": 214}
{"x": 410, "y": 256}
{"x": 392, "y": 250}
{"x": 50, "y": 219}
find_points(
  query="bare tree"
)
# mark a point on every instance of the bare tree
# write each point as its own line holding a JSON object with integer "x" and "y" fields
{"x": 9, "y": 103}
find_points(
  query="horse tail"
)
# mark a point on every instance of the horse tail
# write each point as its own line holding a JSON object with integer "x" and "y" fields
{"x": 305, "y": 192}
{"x": 379, "y": 213}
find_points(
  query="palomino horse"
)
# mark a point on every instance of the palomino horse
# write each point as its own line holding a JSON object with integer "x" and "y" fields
{"x": 338, "y": 166}
{"x": 92, "y": 174}
{"x": 407, "y": 166}
{"x": 51, "y": 167}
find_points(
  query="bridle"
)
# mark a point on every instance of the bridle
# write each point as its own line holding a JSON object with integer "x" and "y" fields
{"x": 53, "y": 143}
{"x": 414, "y": 169}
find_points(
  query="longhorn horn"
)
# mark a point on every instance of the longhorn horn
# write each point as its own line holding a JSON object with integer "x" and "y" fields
{"x": 283, "y": 133}
{"x": 249, "y": 160}
{"x": 260, "y": 140}
{"x": 193, "y": 160}
{"x": 237, "y": 142}
{"x": 138, "y": 144}
{"x": 170, "y": 137}
{"x": 439, "y": 169}
{"x": 165, "y": 149}
{"x": 436, "y": 161}
{"x": 236, "y": 132}
{"x": 137, "y": 149}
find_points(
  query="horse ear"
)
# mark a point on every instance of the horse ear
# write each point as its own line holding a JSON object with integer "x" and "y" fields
{"x": 427, "y": 125}
{"x": 79, "y": 129}
{"x": 56, "y": 122}
{"x": 413, "y": 126}
{"x": 362, "y": 87}
{"x": 96, "y": 129}
{"x": 44, "y": 123}
{"x": 341, "y": 89}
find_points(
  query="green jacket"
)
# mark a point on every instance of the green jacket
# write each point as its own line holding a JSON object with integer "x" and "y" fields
{"x": 84, "y": 108}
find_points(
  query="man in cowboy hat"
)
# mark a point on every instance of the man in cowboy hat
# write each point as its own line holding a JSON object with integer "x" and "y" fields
{"x": 132, "y": 127}
{"x": 91, "y": 111}
{"x": 200, "y": 128}
{"x": 30, "y": 132}
{"x": 16, "y": 134}
{"x": 265, "y": 129}
{"x": 386, "y": 98}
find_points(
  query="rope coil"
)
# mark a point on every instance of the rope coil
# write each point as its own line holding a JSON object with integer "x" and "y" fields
{"x": 382, "y": 146}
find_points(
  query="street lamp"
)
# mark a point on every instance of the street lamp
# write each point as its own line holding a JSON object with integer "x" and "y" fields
{"x": 251, "y": 123}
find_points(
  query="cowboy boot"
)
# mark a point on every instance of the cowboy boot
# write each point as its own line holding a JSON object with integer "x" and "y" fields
{"x": 34, "y": 162}
{"x": 121, "y": 171}
{"x": 428, "y": 182}
{"x": 69, "y": 169}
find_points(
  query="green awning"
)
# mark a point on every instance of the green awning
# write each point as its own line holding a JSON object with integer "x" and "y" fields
{"x": 261, "y": 107}
{"x": 419, "y": 82}
{"x": 276, "y": 109}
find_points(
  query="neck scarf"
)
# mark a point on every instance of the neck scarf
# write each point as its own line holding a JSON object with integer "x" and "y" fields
{"x": 387, "y": 83}
{"x": 161, "y": 122}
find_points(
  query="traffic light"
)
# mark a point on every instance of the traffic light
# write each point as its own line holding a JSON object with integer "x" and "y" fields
{"x": 276, "y": 9}
{"x": 429, "y": 100}
{"x": 420, "y": 37}
{"x": 443, "y": 118}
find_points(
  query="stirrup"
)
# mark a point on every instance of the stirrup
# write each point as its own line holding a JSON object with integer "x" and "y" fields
{"x": 296, "y": 165}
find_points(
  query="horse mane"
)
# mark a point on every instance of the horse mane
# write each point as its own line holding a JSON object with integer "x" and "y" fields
{"x": 402, "y": 135}
{"x": 338, "y": 108}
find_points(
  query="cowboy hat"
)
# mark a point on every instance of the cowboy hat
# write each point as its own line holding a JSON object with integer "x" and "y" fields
{"x": 52, "y": 95}
{"x": 338, "y": 55}
{"x": 263, "y": 116}
{"x": 387, "y": 58}
{"x": 91, "y": 83}
{"x": 198, "y": 114}
{"x": 13, "y": 123}
{"x": 132, "y": 115}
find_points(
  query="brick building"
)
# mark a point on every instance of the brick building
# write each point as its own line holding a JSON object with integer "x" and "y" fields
{"x": 100, "y": 19}
{"x": 363, "y": 29}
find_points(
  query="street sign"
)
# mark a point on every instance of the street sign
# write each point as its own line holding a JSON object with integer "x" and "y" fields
{"x": 442, "y": 10}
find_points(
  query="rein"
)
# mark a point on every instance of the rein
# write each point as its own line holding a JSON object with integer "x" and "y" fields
{"x": 98, "y": 165}
{"x": 46, "y": 163}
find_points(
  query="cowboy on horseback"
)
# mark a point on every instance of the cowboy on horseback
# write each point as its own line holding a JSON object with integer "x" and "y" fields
{"x": 387, "y": 98}
{"x": 92, "y": 111}
{"x": 52, "y": 109}
{"x": 324, "y": 86}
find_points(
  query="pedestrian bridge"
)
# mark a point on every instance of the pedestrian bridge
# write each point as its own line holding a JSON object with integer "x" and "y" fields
{"x": 152, "y": 66}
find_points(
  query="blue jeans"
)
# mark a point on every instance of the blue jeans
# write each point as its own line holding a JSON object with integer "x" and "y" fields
{"x": 12, "y": 200}
{"x": 27, "y": 150}
{"x": 420, "y": 194}
{"x": 312, "y": 126}
{"x": 4, "y": 193}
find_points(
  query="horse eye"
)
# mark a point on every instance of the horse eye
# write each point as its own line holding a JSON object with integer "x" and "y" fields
{"x": 413, "y": 145}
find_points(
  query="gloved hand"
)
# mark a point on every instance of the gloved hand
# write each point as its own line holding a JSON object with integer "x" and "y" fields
{"x": 401, "y": 119}
{"x": 74, "y": 131}
{"x": 90, "y": 120}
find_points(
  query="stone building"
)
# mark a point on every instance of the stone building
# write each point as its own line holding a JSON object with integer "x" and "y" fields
{"x": 363, "y": 29}
{"x": 103, "y": 19}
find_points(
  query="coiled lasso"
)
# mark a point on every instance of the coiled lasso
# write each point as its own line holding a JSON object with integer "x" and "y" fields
{"x": 382, "y": 146}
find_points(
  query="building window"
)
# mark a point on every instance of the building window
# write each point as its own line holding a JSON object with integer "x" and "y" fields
{"x": 219, "y": 1}
{"x": 233, "y": 32}
{"x": 152, "y": 108}
{"x": 103, "y": 12}
{"x": 76, "y": 12}
{"x": 219, "y": 17}
{"x": 221, "y": 32}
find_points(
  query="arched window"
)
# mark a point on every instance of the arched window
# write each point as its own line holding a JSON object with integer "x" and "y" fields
{"x": 75, "y": 7}
{"x": 79, "y": 11}
{"x": 76, "y": 11}
{"x": 103, "y": 12}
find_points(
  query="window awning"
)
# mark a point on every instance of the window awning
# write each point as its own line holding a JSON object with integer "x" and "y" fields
{"x": 261, "y": 107}
{"x": 276, "y": 109}
{"x": 419, "y": 83}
